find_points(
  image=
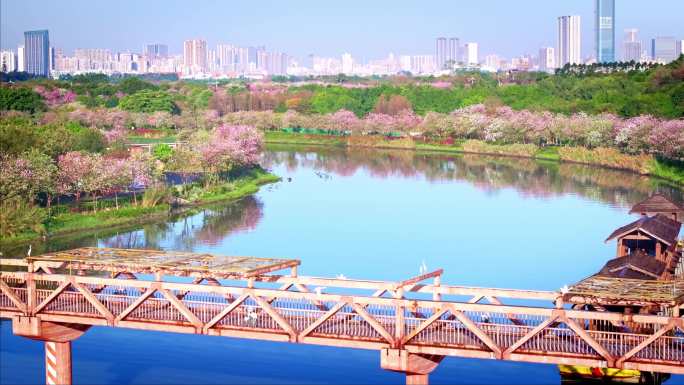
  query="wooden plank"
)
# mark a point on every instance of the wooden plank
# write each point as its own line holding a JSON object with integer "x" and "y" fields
{"x": 12, "y": 296}
{"x": 419, "y": 278}
{"x": 94, "y": 301}
{"x": 333, "y": 310}
{"x": 373, "y": 322}
{"x": 225, "y": 312}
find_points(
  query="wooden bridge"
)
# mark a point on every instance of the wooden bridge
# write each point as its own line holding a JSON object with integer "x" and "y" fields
{"x": 414, "y": 323}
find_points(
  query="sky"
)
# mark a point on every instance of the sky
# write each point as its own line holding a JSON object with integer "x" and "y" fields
{"x": 368, "y": 29}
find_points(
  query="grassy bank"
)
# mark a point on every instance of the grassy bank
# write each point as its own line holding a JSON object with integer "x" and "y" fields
{"x": 65, "y": 223}
{"x": 669, "y": 170}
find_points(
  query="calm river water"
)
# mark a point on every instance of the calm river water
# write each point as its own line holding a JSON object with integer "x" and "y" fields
{"x": 487, "y": 221}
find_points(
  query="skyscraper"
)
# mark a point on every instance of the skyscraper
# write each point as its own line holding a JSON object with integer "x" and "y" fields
{"x": 547, "y": 59}
{"x": 156, "y": 50}
{"x": 441, "y": 52}
{"x": 37, "y": 52}
{"x": 632, "y": 46}
{"x": 569, "y": 40}
{"x": 453, "y": 50}
{"x": 664, "y": 49}
{"x": 605, "y": 31}
{"x": 195, "y": 56}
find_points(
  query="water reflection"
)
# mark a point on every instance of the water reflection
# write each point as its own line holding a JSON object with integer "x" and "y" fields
{"x": 489, "y": 173}
{"x": 205, "y": 225}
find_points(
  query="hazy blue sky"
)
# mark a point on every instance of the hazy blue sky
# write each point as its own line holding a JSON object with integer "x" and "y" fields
{"x": 366, "y": 28}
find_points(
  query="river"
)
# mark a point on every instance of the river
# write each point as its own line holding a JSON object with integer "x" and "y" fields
{"x": 374, "y": 214}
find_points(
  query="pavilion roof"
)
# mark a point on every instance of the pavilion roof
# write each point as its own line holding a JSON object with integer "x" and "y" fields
{"x": 658, "y": 226}
{"x": 166, "y": 262}
{"x": 656, "y": 203}
{"x": 637, "y": 265}
{"x": 603, "y": 290}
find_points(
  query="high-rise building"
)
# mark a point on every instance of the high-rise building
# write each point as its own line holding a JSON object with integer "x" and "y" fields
{"x": 441, "y": 52}
{"x": 605, "y": 31}
{"x": 195, "y": 56}
{"x": 156, "y": 51}
{"x": 37, "y": 52}
{"x": 21, "y": 58}
{"x": 664, "y": 49}
{"x": 471, "y": 54}
{"x": 8, "y": 61}
{"x": 453, "y": 50}
{"x": 569, "y": 41}
{"x": 347, "y": 63}
{"x": 423, "y": 64}
{"x": 631, "y": 46}
{"x": 680, "y": 47}
{"x": 547, "y": 59}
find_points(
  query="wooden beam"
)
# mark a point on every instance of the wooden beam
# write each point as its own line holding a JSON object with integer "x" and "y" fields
{"x": 52, "y": 295}
{"x": 434, "y": 317}
{"x": 136, "y": 303}
{"x": 584, "y": 335}
{"x": 94, "y": 301}
{"x": 529, "y": 336}
{"x": 180, "y": 306}
{"x": 4, "y": 288}
{"x": 225, "y": 312}
{"x": 671, "y": 325}
{"x": 373, "y": 322}
{"x": 280, "y": 320}
{"x": 333, "y": 310}
{"x": 479, "y": 333}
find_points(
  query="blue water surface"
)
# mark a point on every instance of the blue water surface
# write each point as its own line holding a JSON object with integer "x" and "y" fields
{"x": 496, "y": 222}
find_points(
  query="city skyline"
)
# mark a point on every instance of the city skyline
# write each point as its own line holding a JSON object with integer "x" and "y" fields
{"x": 330, "y": 34}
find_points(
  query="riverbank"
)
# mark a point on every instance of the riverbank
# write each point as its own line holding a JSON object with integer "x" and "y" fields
{"x": 66, "y": 223}
{"x": 669, "y": 170}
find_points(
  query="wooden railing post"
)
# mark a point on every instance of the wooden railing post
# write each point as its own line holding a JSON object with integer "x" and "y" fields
{"x": 399, "y": 326}
{"x": 31, "y": 296}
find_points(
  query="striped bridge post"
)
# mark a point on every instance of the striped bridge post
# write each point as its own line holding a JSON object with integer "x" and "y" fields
{"x": 57, "y": 363}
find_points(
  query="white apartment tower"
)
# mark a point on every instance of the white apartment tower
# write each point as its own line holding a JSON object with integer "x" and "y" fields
{"x": 471, "y": 54}
{"x": 347, "y": 64}
{"x": 195, "y": 56}
{"x": 8, "y": 61}
{"x": 569, "y": 41}
{"x": 547, "y": 59}
{"x": 21, "y": 58}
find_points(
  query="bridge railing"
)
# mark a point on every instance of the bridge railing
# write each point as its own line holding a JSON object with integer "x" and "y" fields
{"x": 436, "y": 326}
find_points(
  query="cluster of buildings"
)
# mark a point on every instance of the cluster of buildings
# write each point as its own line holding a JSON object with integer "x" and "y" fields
{"x": 36, "y": 56}
{"x": 199, "y": 60}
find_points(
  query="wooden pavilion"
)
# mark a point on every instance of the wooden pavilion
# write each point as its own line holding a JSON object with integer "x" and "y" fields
{"x": 659, "y": 204}
{"x": 646, "y": 248}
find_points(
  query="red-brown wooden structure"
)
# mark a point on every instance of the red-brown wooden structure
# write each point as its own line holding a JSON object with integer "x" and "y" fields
{"x": 413, "y": 324}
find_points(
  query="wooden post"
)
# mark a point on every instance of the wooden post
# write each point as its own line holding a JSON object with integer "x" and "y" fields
{"x": 57, "y": 363}
{"x": 659, "y": 251}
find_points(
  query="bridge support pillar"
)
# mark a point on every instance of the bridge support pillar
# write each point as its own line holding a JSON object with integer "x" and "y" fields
{"x": 417, "y": 367}
{"x": 57, "y": 363}
{"x": 57, "y": 338}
